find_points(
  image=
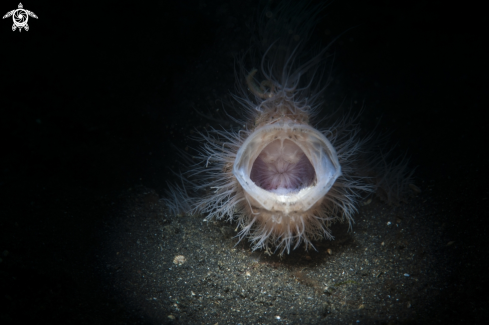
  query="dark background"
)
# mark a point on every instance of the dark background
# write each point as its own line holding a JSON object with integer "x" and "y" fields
{"x": 94, "y": 95}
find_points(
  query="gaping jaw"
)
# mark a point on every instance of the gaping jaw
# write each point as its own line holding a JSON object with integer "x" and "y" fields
{"x": 286, "y": 167}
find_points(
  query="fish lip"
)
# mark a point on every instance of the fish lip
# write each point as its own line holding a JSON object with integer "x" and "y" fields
{"x": 315, "y": 146}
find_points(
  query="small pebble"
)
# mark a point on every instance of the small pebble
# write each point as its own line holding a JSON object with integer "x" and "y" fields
{"x": 179, "y": 260}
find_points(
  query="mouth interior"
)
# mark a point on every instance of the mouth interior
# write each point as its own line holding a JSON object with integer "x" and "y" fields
{"x": 282, "y": 168}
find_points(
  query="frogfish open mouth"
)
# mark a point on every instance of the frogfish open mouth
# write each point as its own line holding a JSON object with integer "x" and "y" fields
{"x": 281, "y": 177}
